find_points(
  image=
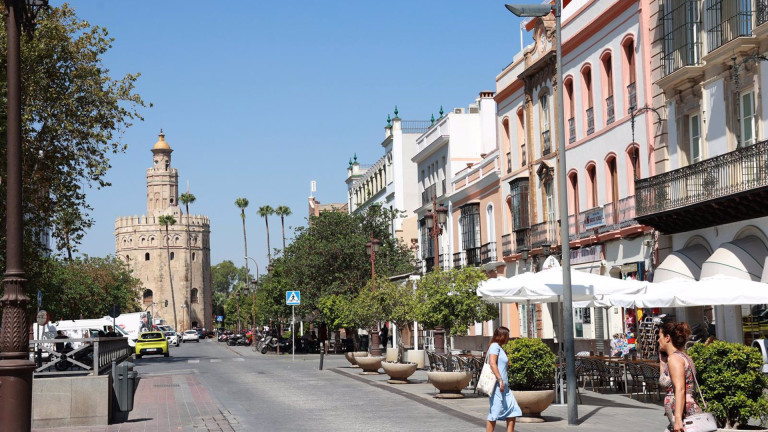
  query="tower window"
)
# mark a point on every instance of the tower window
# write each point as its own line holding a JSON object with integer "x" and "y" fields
{"x": 147, "y": 297}
{"x": 146, "y": 256}
{"x": 172, "y": 255}
{"x": 193, "y": 256}
{"x": 171, "y": 200}
{"x": 193, "y": 296}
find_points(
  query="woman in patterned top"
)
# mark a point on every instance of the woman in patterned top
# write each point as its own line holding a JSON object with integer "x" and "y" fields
{"x": 677, "y": 374}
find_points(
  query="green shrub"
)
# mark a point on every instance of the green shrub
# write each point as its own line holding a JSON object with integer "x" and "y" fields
{"x": 531, "y": 364}
{"x": 731, "y": 381}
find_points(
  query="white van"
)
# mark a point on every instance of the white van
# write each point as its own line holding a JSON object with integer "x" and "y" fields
{"x": 77, "y": 329}
{"x": 133, "y": 324}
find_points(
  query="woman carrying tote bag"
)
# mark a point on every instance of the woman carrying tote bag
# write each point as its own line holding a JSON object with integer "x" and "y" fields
{"x": 503, "y": 403}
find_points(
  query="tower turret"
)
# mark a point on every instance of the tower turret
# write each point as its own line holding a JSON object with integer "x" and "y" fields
{"x": 162, "y": 179}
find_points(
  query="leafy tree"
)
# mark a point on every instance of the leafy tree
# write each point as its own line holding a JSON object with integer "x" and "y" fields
{"x": 74, "y": 114}
{"x": 283, "y": 211}
{"x": 399, "y": 304}
{"x": 265, "y": 212}
{"x": 187, "y": 199}
{"x": 166, "y": 221}
{"x": 449, "y": 299}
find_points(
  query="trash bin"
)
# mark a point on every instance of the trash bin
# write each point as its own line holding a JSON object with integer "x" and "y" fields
{"x": 124, "y": 383}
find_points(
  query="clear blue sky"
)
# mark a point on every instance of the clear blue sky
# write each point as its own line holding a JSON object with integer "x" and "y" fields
{"x": 258, "y": 98}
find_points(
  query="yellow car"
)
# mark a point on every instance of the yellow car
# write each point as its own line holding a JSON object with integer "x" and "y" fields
{"x": 150, "y": 343}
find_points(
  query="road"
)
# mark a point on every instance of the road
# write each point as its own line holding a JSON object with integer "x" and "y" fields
{"x": 274, "y": 393}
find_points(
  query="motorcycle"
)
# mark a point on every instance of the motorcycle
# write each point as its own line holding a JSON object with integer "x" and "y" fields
{"x": 271, "y": 344}
{"x": 243, "y": 340}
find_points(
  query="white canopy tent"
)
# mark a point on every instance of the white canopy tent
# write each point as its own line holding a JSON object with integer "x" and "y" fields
{"x": 715, "y": 290}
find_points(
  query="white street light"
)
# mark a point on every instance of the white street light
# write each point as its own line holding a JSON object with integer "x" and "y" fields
{"x": 538, "y": 10}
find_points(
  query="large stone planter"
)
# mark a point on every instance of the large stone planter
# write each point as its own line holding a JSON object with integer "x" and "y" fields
{"x": 532, "y": 403}
{"x": 450, "y": 384}
{"x": 415, "y": 356}
{"x": 398, "y": 372}
{"x": 369, "y": 365}
{"x": 351, "y": 357}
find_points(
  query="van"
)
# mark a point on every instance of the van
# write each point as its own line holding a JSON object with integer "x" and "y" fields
{"x": 133, "y": 324}
{"x": 78, "y": 329}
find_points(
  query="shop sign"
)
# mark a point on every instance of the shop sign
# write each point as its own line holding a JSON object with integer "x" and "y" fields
{"x": 594, "y": 218}
{"x": 629, "y": 268}
{"x": 587, "y": 254}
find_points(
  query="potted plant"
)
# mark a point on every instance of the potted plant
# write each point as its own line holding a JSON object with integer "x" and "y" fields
{"x": 364, "y": 311}
{"x": 531, "y": 374}
{"x": 399, "y": 303}
{"x": 731, "y": 382}
{"x": 449, "y": 299}
{"x": 335, "y": 311}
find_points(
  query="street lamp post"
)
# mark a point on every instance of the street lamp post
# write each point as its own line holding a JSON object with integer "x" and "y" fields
{"x": 372, "y": 247}
{"x": 253, "y": 291}
{"x": 537, "y": 10}
{"x": 15, "y": 367}
{"x": 435, "y": 219}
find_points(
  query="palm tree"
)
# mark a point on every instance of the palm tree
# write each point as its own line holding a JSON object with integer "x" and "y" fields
{"x": 283, "y": 211}
{"x": 266, "y": 211}
{"x": 187, "y": 199}
{"x": 242, "y": 203}
{"x": 167, "y": 220}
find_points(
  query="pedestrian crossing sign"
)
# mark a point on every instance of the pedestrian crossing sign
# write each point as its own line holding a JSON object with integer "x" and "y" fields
{"x": 293, "y": 298}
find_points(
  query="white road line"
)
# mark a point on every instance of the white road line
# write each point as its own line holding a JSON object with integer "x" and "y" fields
{"x": 238, "y": 359}
{"x": 193, "y": 361}
{"x": 215, "y": 360}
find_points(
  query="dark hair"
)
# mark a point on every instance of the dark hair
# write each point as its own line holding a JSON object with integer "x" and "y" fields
{"x": 679, "y": 332}
{"x": 500, "y": 335}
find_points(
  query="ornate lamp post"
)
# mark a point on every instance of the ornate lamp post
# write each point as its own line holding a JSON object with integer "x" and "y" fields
{"x": 435, "y": 229}
{"x": 15, "y": 367}
{"x": 254, "y": 283}
{"x": 372, "y": 247}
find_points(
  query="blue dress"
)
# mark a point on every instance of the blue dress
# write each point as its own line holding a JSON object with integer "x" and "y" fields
{"x": 503, "y": 405}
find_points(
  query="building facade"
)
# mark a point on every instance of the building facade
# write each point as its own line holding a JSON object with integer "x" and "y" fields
{"x": 144, "y": 245}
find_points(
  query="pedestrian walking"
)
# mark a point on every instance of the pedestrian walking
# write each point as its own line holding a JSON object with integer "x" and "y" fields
{"x": 677, "y": 374}
{"x": 383, "y": 335}
{"x": 503, "y": 405}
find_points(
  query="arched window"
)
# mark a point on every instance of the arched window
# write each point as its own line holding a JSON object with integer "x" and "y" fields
{"x": 172, "y": 255}
{"x": 612, "y": 179}
{"x": 607, "y": 86}
{"x": 490, "y": 222}
{"x": 570, "y": 109}
{"x": 193, "y": 296}
{"x": 147, "y": 297}
{"x": 146, "y": 256}
{"x": 629, "y": 73}
{"x": 591, "y": 185}
{"x": 587, "y": 102}
{"x": 505, "y": 142}
{"x": 573, "y": 202}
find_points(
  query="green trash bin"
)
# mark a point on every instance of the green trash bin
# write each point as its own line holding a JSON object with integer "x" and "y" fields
{"x": 125, "y": 381}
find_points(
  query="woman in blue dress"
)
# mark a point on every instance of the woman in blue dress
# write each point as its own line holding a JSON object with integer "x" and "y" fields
{"x": 503, "y": 403}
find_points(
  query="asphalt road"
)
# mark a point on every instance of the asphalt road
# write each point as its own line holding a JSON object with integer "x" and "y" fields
{"x": 275, "y": 393}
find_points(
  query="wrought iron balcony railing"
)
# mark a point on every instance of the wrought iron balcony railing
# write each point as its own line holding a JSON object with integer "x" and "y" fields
{"x": 506, "y": 245}
{"x": 543, "y": 233}
{"x": 488, "y": 252}
{"x": 426, "y": 196}
{"x": 571, "y": 130}
{"x": 727, "y": 20}
{"x": 590, "y": 121}
{"x": 681, "y": 24}
{"x": 632, "y": 96}
{"x": 546, "y": 143}
{"x": 613, "y": 220}
{"x": 458, "y": 259}
{"x": 728, "y": 174}
{"x": 472, "y": 256}
{"x": 522, "y": 239}
{"x": 609, "y": 110}
{"x": 761, "y": 12}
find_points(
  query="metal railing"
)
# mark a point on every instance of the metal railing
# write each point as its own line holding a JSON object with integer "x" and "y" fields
{"x": 738, "y": 171}
{"x": 632, "y": 96}
{"x": 546, "y": 143}
{"x": 472, "y": 256}
{"x": 509, "y": 162}
{"x": 88, "y": 355}
{"x": 727, "y": 20}
{"x": 681, "y": 23}
{"x": 590, "y": 121}
{"x": 488, "y": 252}
{"x": 458, "y": 260}
{"x": 610, "y": 115}
{"x": 522, "y": 239}
{"x": 415, "y": 126}
{"x": 616, "y": 217}
{"x": 428, "y": 194}
{"x": 761, "y": 11}
{"x": 573, "y": 226}
{"x": 543, "y": 233}
{"x": 571, "y": 130}
{"x": 506, "y": 245}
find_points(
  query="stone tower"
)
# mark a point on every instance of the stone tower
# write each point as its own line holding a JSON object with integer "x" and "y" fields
{"x": 141, "y": 242}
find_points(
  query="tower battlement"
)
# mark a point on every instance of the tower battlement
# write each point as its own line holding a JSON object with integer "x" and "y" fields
{"x": 144, "y": 220}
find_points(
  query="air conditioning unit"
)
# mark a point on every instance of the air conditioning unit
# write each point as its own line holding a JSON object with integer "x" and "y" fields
{"x": 458, "y": 110}
{"x": 473, "y": 109}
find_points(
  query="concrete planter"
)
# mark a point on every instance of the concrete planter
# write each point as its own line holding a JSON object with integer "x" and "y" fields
{"x": 532, "y": 403}
{"x": 415, "y": 356}
{"x": 370, "y": 365}
{"x": 391, "y": 355}
{"x": 398, "y": 372}
{"x": 351, "y": 357}
{"x": 450, "y": 384}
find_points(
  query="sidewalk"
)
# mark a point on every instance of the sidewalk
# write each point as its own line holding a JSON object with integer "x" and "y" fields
{"x": 168, "y": 402}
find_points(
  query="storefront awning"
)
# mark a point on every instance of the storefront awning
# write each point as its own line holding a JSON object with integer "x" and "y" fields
{"x": 743, "y": 258}
{"x": 682, "y": 264}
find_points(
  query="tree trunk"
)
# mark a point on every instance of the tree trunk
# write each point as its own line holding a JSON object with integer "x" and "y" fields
{"x": 170, "y": 276}
{"x": 269, "y": 249}
{"x": 189, "y": 266}
{"x": 282, "y": 223}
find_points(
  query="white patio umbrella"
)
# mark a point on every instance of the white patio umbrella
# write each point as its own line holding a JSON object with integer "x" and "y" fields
{"x": 716, "y": 290}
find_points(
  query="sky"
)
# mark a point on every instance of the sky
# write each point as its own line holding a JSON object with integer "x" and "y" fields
{"x": 259, "y": 98}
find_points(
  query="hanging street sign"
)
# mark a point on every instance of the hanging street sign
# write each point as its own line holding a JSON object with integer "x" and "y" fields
{"x": 293, "y": 298}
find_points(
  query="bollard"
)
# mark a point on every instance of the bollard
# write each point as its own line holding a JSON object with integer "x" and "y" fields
{"x": 322, "y": 355}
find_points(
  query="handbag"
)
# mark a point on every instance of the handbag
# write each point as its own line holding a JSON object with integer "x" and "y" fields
{"x": 487, "y": 380}
{"x": 704, "y": 422}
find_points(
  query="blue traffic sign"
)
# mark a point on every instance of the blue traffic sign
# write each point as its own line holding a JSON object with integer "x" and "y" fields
{"x": 293, "y": 298}
{"x": 219, "y": 318}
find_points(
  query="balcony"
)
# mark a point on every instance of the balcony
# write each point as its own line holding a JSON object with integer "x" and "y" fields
{"x": 522, "y": 239}
{"x": 614, "y": 218}
{"x": 543, "y": 233}
{"x": 458, "y": 260}
{"x": 727, "y": 20}
{"x": 472, "y": 257}
{"x": 546, "y": 143}
{"x": 728, "y": 188}
{"x": 488, "y": 253}
{"x": 509, "y": 162}
{"x": 609, "y": 112}
{"x": 632, "y": 96}
{"x": 506, "y": 245}
{"x": 428, "y": 194}
{"x": 590, "y": 121}
{"x": 681, "y": 23}
{"x": 761, "y": 12}
{"x": 573, "y": 226}
{"x": 571, "y": 130}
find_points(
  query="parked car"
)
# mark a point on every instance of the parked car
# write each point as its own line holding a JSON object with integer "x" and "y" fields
{"x": 200, "y": 333}
{"x": 190, "y": 335}
{"x": 151, "y": 343}
{"x": 172, "y": 337}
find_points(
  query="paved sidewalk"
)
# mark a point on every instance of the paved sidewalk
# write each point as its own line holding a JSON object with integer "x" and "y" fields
{"x": 168, "y": 402}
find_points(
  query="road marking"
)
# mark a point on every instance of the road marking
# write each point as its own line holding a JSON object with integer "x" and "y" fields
{"x": 238, "y": 359}
{"x": 193, "y": 361}
{"x": 215, "y": 360}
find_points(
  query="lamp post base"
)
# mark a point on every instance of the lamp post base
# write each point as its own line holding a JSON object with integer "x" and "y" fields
{"x": 439, "y": 340}
{"x": 375, "y": 349}
{"x": 16, "y": 394}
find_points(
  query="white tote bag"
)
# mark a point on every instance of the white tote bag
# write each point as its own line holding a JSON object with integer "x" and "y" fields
{"x": 487, "y": 381}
